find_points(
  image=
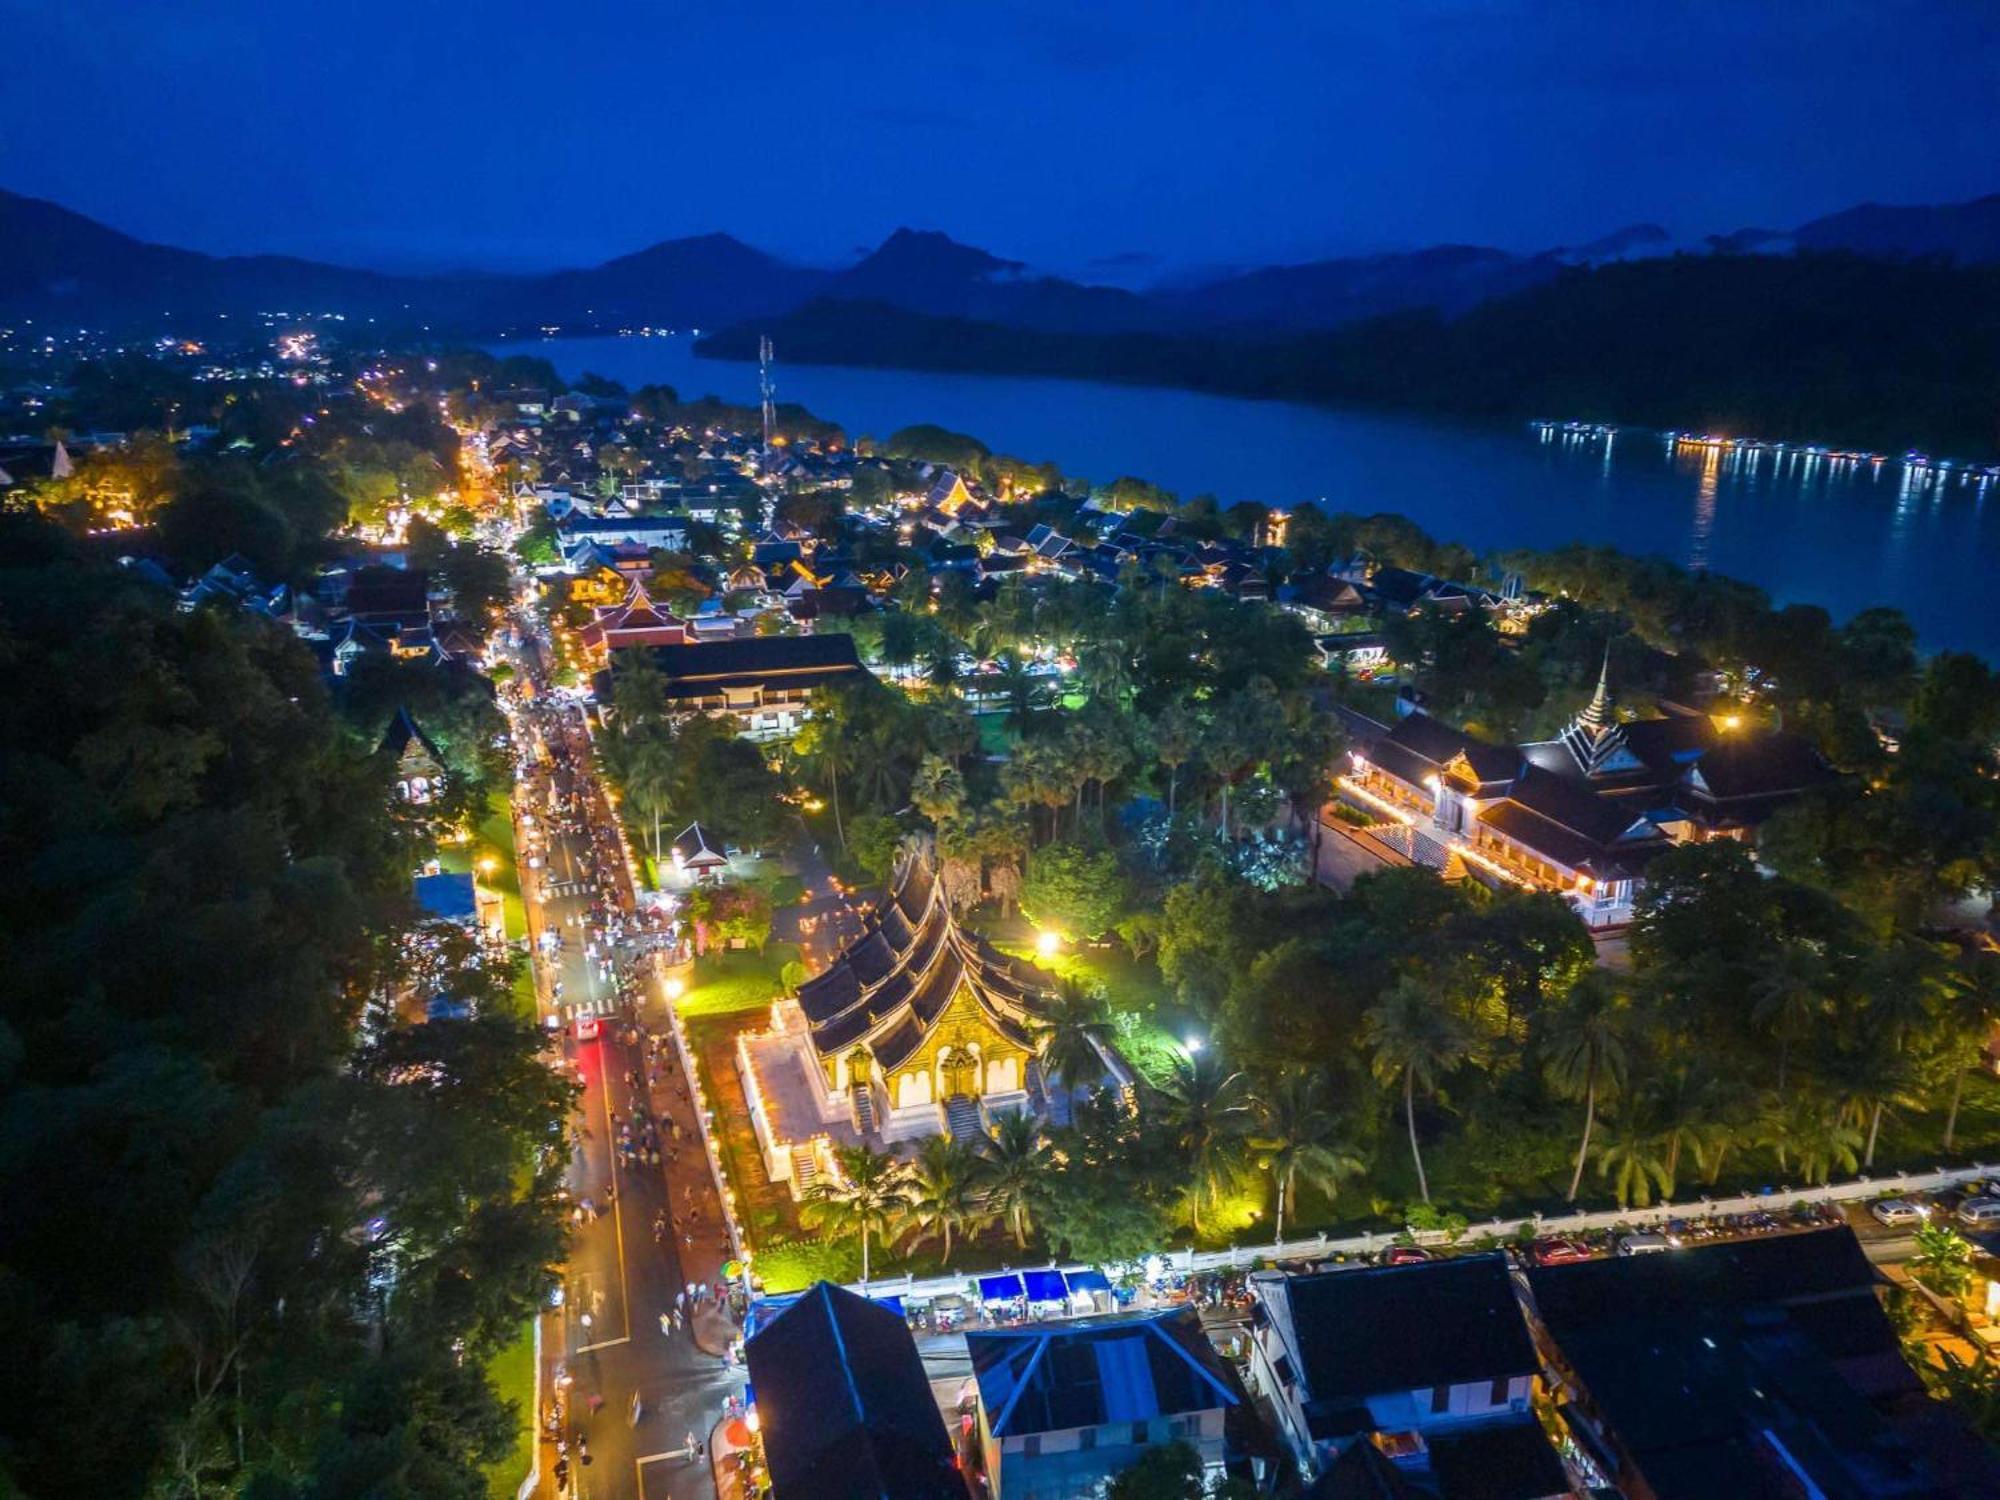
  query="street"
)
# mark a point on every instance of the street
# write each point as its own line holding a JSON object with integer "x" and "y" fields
{"x": 647, "y": 1222}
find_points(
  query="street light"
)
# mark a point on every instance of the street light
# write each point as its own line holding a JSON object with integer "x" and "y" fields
{"x": 676, "y": 987}
{"x": 1047, "y": 944}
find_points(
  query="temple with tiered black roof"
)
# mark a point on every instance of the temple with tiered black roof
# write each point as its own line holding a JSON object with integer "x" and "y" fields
{"x": 918, "y": 1028}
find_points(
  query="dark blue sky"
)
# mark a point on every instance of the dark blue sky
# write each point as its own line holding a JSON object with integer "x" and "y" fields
{"x": 534, "y": 132}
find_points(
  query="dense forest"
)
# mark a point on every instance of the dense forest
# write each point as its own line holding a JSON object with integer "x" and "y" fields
{"x": 1830, "y": 349}
{"x": 263, "y": 1227}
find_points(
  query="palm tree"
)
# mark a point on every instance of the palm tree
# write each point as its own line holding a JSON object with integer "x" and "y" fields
{"x": 870, "y": 1197}
{"x": 826, "y": 746}
{"x": 1586, "y": 1051}
{"x": 1787, "y": 992}
{"x": 652, "y": 779}
{"x": 1864, "y": 1079}
{"x": 945, "y": 1194}
{"x": 1965, "y": 1020}
{"x": 1825, "y": 1144}
{"x": 1176, "y": 740}
{"x": 938, "y": 790}
{"x": 1635, "y": 1161}
{"x": 1225, "y": 747}
{"x": 1014, "y": 1163}
{"x": 1298, "y": 1136}
{"x": 1020, "y": 689}
{"x": 1684, "y": 1109}
{"x": 1208, "y": 1127}
{"x": 1074, "y": 1034}
{"x": 1413, "y": 1039}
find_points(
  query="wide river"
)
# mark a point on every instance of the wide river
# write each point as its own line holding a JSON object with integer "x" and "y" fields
{"x": 1843, "y": 535}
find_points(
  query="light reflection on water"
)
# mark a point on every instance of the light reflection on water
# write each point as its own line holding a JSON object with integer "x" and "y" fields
{"x": 1839, "y": 533}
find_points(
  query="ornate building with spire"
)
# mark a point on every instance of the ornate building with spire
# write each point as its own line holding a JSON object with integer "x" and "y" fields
{"x": 1581, "y": 814}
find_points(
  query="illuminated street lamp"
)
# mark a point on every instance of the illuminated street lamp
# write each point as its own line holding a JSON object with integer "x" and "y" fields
{"x": 675, "y": 987}
{"x": 1048, "y": 944}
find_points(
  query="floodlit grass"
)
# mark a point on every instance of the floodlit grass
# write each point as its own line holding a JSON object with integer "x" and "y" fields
{"x": 512, "y": 1372}
{"x": 995, "y": 738}
{"x": 727, "y": 982}
{"x": 492, "y": 838}
{"x": 526, "y": 1006}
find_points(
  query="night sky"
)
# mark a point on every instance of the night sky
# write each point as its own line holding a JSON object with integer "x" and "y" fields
{"x": 1120, "y": 138}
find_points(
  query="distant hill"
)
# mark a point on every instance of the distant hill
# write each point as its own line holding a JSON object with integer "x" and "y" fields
{"x": 54, "y": 262}
{"x": 705, "y": 281}
{"x": 1965, "y": 232}
{"x": 927, "y": 272}
{"x": 1328, "y": 293}
{"x": 1831, "y": 348}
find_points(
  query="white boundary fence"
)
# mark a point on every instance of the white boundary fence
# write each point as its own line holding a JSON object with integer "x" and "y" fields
{"x": 533, "y": 1481}
{"x": 1242, "y": 1257}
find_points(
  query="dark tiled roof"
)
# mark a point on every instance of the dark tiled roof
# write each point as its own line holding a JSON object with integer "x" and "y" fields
{"x": 911, "y": 960}
{"x": 694, "y": 671}
{"x": 1496, "y": 1461}
{"x": 1761, "y": 765}
{"x": 846, "y": 1409}
{"x": 1404, "y": 1328}
{"x": 1087, "y": 1374}
{"x": 1364, "y": 1472}
{"x": 1700, "y": 1360}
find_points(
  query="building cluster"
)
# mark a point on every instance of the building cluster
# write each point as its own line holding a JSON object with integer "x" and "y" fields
{"x": 1761, "y": 1367}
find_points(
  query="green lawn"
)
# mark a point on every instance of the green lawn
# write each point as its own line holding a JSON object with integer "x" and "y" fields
{"x": 512, "y": 1372}
{"x": 995, "y": 738}
{"x": 726, "y": 982}
{"x": 492, "y": 839}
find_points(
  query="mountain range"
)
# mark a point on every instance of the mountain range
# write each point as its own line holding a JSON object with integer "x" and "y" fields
{"x": 59, "y": 265}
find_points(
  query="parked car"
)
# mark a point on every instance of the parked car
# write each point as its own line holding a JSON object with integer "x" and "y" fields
{"x": 1406, "y": 1255}
{"x": 1558, "y": 1252}
{"x": 1647, "y": 1243}
{"x": 1979, "y": 1213}
{"x": 1897, "y": 1212}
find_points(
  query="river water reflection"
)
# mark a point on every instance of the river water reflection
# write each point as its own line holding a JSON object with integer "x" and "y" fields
{"x": 1844, "y": 535}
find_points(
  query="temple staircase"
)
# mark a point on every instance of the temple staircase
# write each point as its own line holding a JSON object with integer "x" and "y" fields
{"x": 805, "y": 1170}
{"x": 963, "y": 1119}
{"x": 864, "y": 1109}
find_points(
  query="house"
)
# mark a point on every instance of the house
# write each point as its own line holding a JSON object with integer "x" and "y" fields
{"x": 1582, "y": 814}
{"x": 1356, "y": 651}
{"x": 767, "y": 683}
{"x": 420, "y": 768}
{"x": 1429, "y": 1363}
{"x": 844, "y": 1406}
{"x": 948, "y": 494}
{"x": 1065, "y": 1406}
{"x": 665, "y": 533}
{"x": 633, "y": 623}
{"x": 393, "y": 602}
{"x": 694, "y": 856}
{"x": 1756, "y": 1367}
{"x": 917, "y": 1028}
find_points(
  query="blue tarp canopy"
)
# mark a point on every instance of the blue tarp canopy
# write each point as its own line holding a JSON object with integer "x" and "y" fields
{"x": 1088, "y": 1281}
{"x": 894, "y": 1304}
{"x": 1045, "y": 1286}
{"x": 999, "y": 1288}
{"x": 447, "y": 897}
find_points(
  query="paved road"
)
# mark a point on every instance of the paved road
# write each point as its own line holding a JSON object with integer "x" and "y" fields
{"x": 619, "y": 1274}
